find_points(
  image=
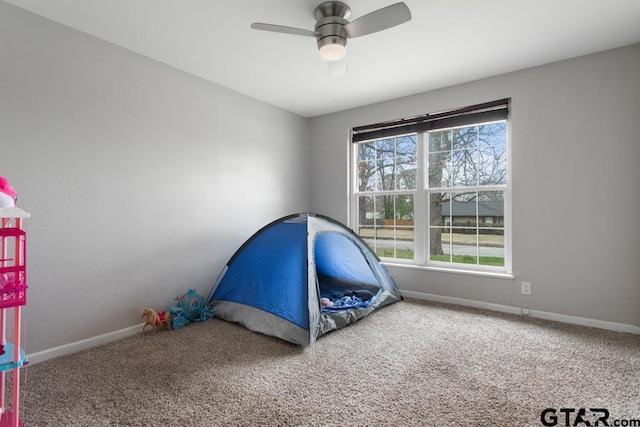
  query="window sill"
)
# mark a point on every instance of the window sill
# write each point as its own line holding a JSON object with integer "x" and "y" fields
{"x": 496, "y": 275}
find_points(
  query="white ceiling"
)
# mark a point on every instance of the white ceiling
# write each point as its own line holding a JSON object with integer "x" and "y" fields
{"x": 446, "y": 43}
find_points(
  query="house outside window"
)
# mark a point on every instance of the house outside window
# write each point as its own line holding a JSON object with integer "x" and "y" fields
{"x": 433, "y": 190}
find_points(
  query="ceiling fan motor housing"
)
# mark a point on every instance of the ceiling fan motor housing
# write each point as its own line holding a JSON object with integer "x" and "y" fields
{"x": 331, "y": 19}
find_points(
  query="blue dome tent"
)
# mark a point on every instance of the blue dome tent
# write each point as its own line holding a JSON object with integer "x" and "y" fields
{"x": 300, "y": 277}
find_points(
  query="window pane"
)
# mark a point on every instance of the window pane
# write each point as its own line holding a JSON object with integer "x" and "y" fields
{"x": 406, "y": 163}
{"x": 387, "y": 225}
{"x": 439, "y": 140}
{"x": 406, "y": 173}
{"x": 388, "y": 164}
{"x": 439, "y": 148}
{"x": 492, "y": 133}
{"x": 370, "y": 218}
{"x": 491, "y": 203}
{"x": 366, "y": 215}
{"x": 366, "y": 151}
{"x": 401, "y": 229}
{"x": 465, "y": 137}
{"x": 464, "y": 209}
{"x": 407, "y": 145}
{"x": 368, "y": 179}
{"x": 491, "y": 227}
{"x": 376, "y": 175}
{"x": 459, "y": 231}
{"x": 440, "y": 246}
{"x": 492, "y": 154}
{"x": 464, "y": 245}
{"x": 441, "y": 251}
{"x": 440, "y": 169}
{"x": 492, "y": 165}
{"x": 385, "y": 148}
{"x": 464, "y": 171}
{"x": 387, "y": 172}
{"x": 439, "y": 208}
{"x": 439, "y": 215}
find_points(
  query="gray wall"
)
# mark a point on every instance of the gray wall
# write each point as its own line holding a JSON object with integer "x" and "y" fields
{"x": 141, "y": 180}
{"x": 575, "y": 158}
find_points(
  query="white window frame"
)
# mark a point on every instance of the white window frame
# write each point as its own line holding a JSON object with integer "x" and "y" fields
{"x": 421, "y": 214}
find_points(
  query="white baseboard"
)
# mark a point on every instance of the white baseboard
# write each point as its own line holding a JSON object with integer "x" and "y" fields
{"x": 74, "y": 347}
{"x": 583, "y": 321}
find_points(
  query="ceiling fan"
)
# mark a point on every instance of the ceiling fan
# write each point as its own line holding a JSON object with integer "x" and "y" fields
{"x": 333, "y": 30}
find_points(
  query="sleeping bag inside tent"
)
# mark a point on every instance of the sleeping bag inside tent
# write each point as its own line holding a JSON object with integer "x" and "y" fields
{"x": 300, "y": 277}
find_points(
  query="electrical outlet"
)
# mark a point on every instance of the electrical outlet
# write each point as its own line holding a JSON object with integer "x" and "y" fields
{"x": 525, "y": 288}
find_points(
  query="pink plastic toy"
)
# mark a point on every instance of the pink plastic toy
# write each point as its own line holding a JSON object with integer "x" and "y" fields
{"x": 8, "y": 195}
{"x": 13, "y": 295}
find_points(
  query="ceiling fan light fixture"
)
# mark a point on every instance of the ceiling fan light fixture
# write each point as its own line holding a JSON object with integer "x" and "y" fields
{"x": 332, "y": 48}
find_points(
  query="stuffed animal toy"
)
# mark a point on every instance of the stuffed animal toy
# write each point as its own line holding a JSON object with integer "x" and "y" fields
{"x": 155, "y": 320}
{"x": 326, "y": 302}
{"x": 8, "y": 195}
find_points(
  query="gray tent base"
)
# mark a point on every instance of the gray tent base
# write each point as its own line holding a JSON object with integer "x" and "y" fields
{"x": 258, "y": 320}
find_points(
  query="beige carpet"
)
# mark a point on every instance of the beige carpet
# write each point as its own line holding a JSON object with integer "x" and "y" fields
{"x": 412, "y": 363}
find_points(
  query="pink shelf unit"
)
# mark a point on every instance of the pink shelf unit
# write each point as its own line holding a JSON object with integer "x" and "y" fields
{"x": 13, "y": 270}
{"x": 13, "y": 295}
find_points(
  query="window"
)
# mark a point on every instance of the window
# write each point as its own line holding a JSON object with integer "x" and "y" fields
{"x": 387, "y": 184}
{"x": 432, "y": 190}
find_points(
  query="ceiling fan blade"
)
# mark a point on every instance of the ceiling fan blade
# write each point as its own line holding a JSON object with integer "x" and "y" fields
{"x": 379, "y": 20}
{"x": 283, "y": 29}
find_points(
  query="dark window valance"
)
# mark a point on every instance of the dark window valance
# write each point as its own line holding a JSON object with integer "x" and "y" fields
{"x": 486, "y": 112}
